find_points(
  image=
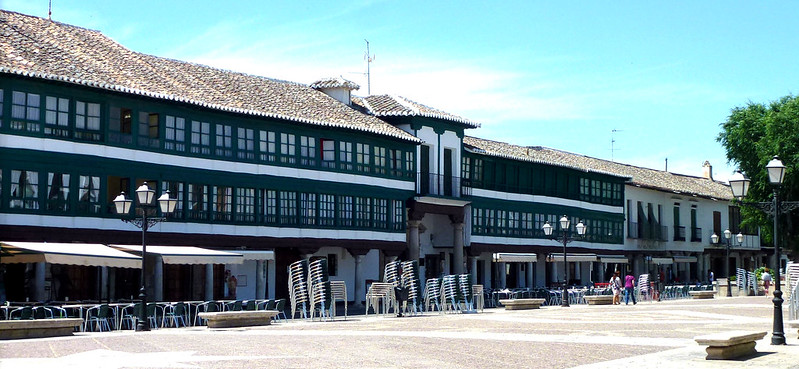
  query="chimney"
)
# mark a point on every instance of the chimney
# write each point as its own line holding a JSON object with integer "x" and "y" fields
{"x": 707, "y": 170}
{"x": 337, "y": 88}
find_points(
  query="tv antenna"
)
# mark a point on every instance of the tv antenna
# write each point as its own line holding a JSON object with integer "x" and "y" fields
{"x": 613, "y": 143}
{"x": 369, "y": 59}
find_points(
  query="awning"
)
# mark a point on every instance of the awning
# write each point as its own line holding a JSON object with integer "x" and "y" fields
{"x": 89, "y": 254}
{"x": 685, "y": 259}
{"x": 660, "y": 261}
{"x": 257, "y": 254}
{"x": 187, "y": 254}
{"x": 573, "y": 257}
{"x": 619, "y": 259}
{"x": 509, "y": 257}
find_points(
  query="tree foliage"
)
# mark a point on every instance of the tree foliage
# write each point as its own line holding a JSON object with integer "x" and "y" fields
{"x": 752, "y": 136}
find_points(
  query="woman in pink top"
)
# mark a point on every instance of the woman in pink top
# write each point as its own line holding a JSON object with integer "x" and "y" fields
{"x": 629, "y": 289}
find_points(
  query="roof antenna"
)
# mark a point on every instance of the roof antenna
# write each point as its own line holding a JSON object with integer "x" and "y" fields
{"x": 50, "y": 10}
{"x": 369, "y": 59}
{"x": 667, "y": 164}
{"x": 613, "y": 143}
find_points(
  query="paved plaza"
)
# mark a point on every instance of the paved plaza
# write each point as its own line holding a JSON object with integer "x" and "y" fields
{"x": 646, "y": 335}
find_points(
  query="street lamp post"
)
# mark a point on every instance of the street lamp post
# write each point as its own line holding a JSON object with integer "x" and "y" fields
{"x": 715, "y": 239}
{"x": 564, "y": 226}
{"x": 739, "y": 185}
{"x": 147, "y": 219}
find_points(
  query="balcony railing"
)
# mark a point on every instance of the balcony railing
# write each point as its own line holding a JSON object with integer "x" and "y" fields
{"x": 696, "y": 234}
{"x": 679, "y": 233}
{"x": 647, "y": 232}
{"x": 440, "y": 185}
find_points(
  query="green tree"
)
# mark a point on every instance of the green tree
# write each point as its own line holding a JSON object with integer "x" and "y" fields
{"x": 752, "y": 136}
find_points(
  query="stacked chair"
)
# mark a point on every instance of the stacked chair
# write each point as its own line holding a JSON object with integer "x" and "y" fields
{"x": 450, "y": 299}
{"x": 410, "y": 280}
{"x": 319, "y": 282}
{"x": 338, "y": 291}
{"x": 298, "y": 288}
{"x": 432, "y": 294}
{"x": 465, "y": 293}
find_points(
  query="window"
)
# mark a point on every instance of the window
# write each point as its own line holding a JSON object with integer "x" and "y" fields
{"x": 56, "y": 116}
{"x": 585, "y": 189}
{"x": 176, "y": 192}
{"x": 328, "y": 153}
{"x": 288, "y": 207}
{"x": 477, "y": 221}
{"x": 363, "y": 212}
{"x": 25, "y": 106}
{"x": 198, "y": 202}
{"x": 222, "y": 202}
{"x": 380, "y": 160}
{"x": 478, "y": 171}
{"x": 246, "y": 143}
{"x": 513, "y": 223}
{"x": 327, "y": 210}
{"x": 398, "y": 220}
{"x": 345, "y": 211}
{"x": 288, "y": 148}
{"x": 307, "y": 208}
{"x": 395, "y": 162}
{"x": 87, "y": 121}
{"x": 307, "y": 150}
{"x": 175, "y": 133}
{"x": 490, "y": 222}
{"x": 24, "y": 189}
{"x": 245, "y": 204}
{"x": 89, "y": 194}
{"x": 345, "y": 155}
{"x": 148, "y": 129}
{"x": 526, "y": 224}
{"x": 362, "y": 157}
{"x": 58, "y": 191}
{"x": 380, "y": 213}
{"x": 409, "y": 162}
{"x": 466, "y": 170}
{"x": 224, "y": 140}
{"x": 119, "y": 125}
{"x": 502, "y": 221}
{"x": 200, "y": 138}
{"x": 269, "y": 206}
{"x": 267, "y": 146}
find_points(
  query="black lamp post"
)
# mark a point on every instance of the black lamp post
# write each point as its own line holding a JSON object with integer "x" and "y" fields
{"x": 739, "y": 185}
{"x": 564, "y": 226}
{"x": 145, "y": 220}
{"x": 715, "y": 239}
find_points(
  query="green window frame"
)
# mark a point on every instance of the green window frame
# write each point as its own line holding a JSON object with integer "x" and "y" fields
{"x": 307, "y": 151}
{"x": 24, "y": 192}
{"x": 200, "y": 137}
{"x": 245, "y": 204}
{"x": 58, "y": 192}
{"x": 56, "y": 116}
{"x": 345, "y": 155}
{"x": 176, "y": 191}
{"x": 363, "y": 212}
{"x": 288, "y": 148}
{"x": 269, "y": 206}
{"x": 380, "y": 160}
{"x": 175, "y": 133}
{"x": 308, "y": 208}
{"x": 222, "y": 202}
{"x": 345, "y": 208}
{"x": 268, "y": 146}
{"x": 328, "y": 148}
{"x": 327, "y": 210}
{"x": 89, "y": 194}
{"x": 25, "y": 111}
{"x": 245, "y": 148}
{"x": 288, "y": 207}
{"x": 398, "y": 219}
{"x": 224, "y": 140}
{"x": 198, "y": 202}
{"x": 363, "y": 157}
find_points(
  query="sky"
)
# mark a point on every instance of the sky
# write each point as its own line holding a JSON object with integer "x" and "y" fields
{"x": 642, "y": 83}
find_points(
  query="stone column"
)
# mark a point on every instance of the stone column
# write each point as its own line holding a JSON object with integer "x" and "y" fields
{"x": 473, "y": 263}
{"x": 260, "y": 280}
{"x": 271, "y": 272}
{"x": 529, "y": 274}
{"x": 413, "y": 239}
{"x": 360, "y": 282}
{"x": 503, "y": 275}
{"x": 585, "y": 272}
{"x": 158, "y": 277}
{"x": 104, "y": 283}
{"x": 209, "y": 282}
{"x": 457, "y": 251}
{"x": 112, "y": 281}
{"x": 39, "y": 294}
{"x": 541, "y": 270}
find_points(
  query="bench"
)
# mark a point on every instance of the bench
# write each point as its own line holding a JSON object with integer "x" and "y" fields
{"x": 729, "y": 345}
{"x": 521, "y": 304}
{"x": 599, "y": 299}
{"x": 702, "y": 294}
{"x": 16, "y": 329}
{"x": 793, "y": 324}
{"x": 230, "y": 319}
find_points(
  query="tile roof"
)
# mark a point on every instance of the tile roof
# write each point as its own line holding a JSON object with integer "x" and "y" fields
{"x": 334, "y": 82}
{"x": 39, "y": 48}
{"x": 389, "y": 105}
{"x": 642, "y": 177}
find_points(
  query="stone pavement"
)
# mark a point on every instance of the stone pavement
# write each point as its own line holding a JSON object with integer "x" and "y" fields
{"x": 647, "y": 335}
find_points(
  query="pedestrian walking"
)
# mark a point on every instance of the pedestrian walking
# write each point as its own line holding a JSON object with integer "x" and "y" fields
{"x": 615, "y": 286}
{"x": 629, "y": 289}
{"x": 766, "y": 277}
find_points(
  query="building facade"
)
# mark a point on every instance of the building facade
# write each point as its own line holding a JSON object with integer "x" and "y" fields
{"x": 278, "y": 171}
